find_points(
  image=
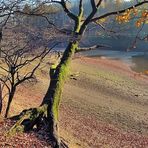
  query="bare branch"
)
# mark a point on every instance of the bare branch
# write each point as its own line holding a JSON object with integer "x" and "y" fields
{"x": 136, "y": 37}
{"x": 80, "y": 7}
{"x": 66, "y": 10}
{"x": 117, "y": 12}
{"x": 30, "y": 75}
{"x": 92, "y": 48}
{"x": 91, "y": 15}
{"x": 99, "y": 3}
{"x": 5, "y": 84}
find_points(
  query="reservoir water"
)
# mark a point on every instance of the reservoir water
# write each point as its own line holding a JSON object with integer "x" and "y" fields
{"x": 137, "y": 58}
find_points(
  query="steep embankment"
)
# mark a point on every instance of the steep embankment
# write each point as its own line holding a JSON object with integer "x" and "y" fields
{"x": 105, "y": 104}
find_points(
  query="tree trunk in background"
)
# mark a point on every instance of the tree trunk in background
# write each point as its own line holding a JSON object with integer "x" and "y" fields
{"x": 1, "y": 99}
{"x": 53, "y": 95}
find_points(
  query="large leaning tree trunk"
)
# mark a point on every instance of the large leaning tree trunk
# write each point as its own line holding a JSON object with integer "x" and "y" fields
{"x": 49, "y": 108}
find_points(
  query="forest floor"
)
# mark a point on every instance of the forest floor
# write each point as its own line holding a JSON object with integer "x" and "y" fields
{"x": 104, "y": 105}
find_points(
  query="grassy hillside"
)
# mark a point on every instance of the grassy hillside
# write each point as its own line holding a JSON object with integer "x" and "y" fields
{"x": 105, "y": 104}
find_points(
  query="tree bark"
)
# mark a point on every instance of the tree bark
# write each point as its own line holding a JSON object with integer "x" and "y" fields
{"x": 11, "y": 95}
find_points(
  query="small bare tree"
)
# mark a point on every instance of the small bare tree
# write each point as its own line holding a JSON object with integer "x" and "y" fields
{"x": 17, "y": 66}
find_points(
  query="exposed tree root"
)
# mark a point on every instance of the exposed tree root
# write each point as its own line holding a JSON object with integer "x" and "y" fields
{"x": 35, "y": 117}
